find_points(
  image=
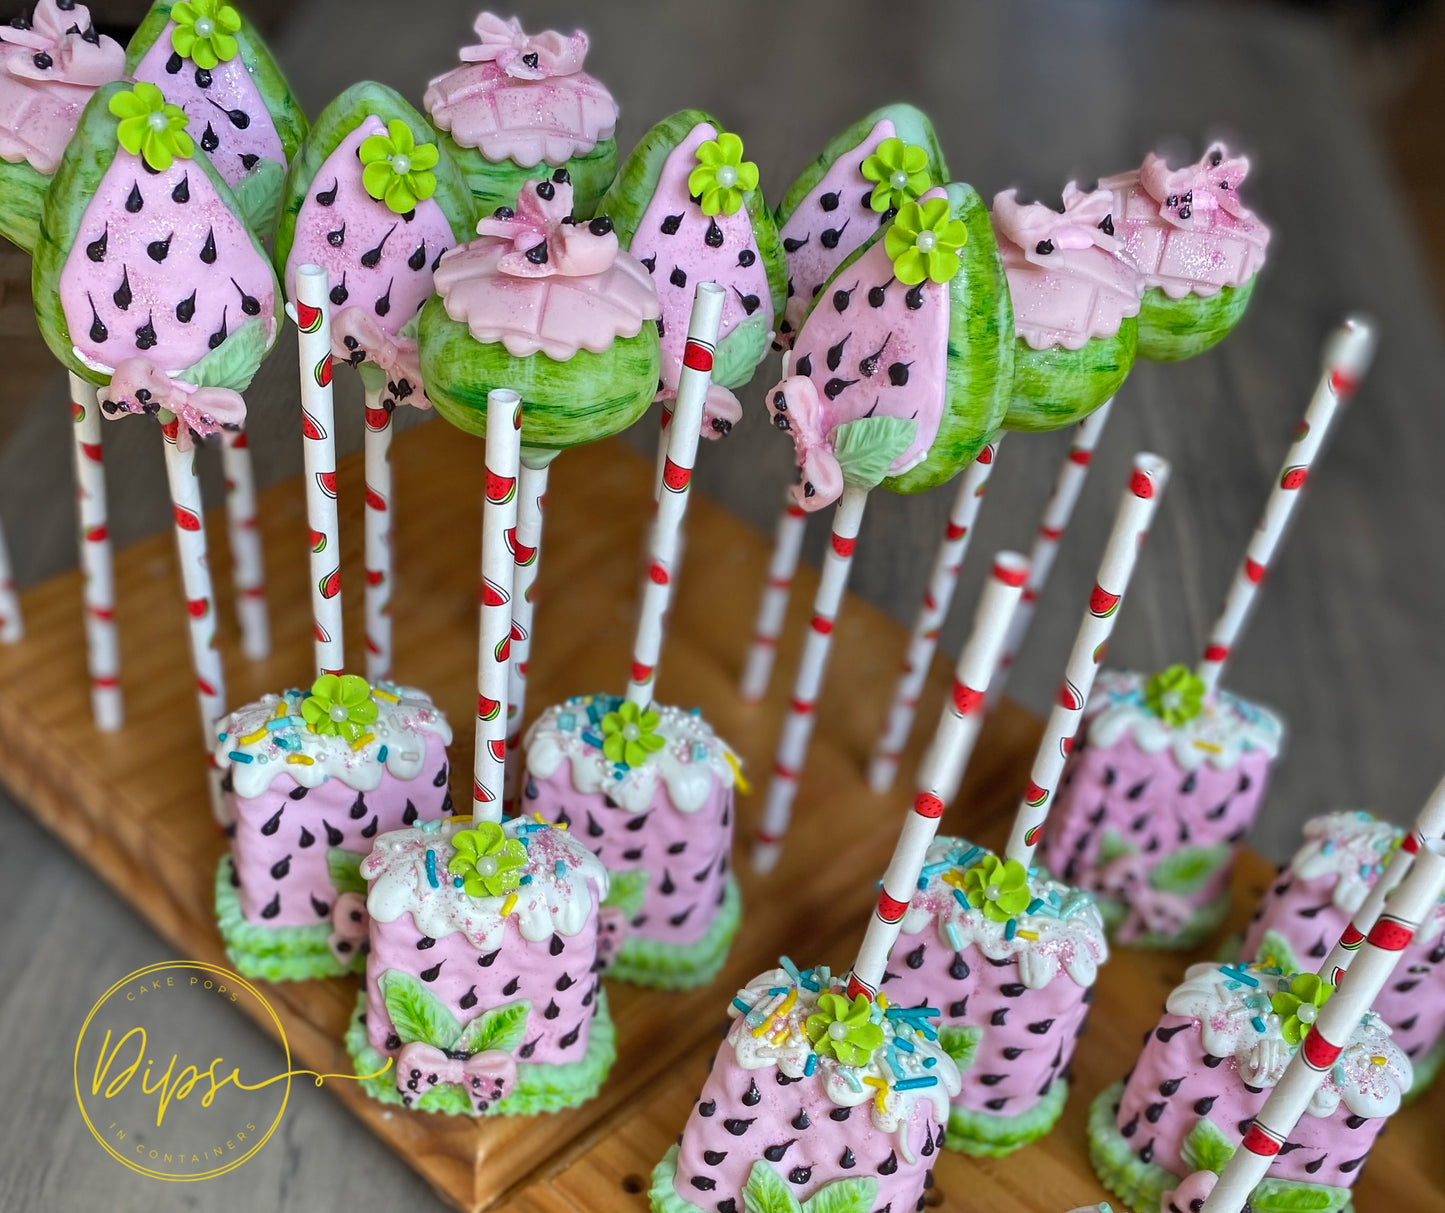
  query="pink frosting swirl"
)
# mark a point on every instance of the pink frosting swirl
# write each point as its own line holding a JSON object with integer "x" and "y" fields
{"x": 547, "y": 240}
{"x": 525, "y": 56}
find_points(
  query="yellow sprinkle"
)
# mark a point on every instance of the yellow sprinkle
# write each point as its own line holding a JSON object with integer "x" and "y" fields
{"x": 282, "y": 709}
{"x": 782, "y": 1036}
{"x": 252, "y": 738}
{"x": 1378, "y": 1061}
{"x": 1208, "y": 746}
{"x": 768, "y": 1025}
{"x": 1022, "y": 934}
{"x": 788, "y": 1001}
{"x": 556, "y": 825}
{"x": 300, "y": 760}
{"x": 508, "y": 904}
{"x": 878, "y": 1100}
{"x": 954, "y": 877}
{"x": 743, "y": 786}
{"x": 378, "y": 693}
{"x": 882, "y": 1000}
{"x": 362, "y": 741}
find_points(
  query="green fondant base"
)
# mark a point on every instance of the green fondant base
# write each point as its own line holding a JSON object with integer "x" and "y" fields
{"x": 664, "y": 966}
{"x": 1056, "y": 387}
{"x": 1174, "y": 329}
{"x": 495, "y": 184}
{"x": 1425, "y": 1071}
{"x": 22, "y": 198}
{"x": 274, "y": 953}
{"x": 662, "y": 1196}
{"x": 984, "y": 1135}
{"x": 1197, "y": 931}
{"x": 540, "y": 1088}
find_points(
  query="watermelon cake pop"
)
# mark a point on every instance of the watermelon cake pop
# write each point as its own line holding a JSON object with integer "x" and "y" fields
{"x": 521, "y": 107}
{"x": 482, "y": 977}
{"x": 836, "y": 1105}
{"x": 1307, "y": 907}
{"x": 686, "y": 204}
{"x": 209, "y": 60}
{"x": 311, "y": 779}
{"x": 1205, "y": 1071}
{"x": 1198, "y": 247}
{"x": 51, "y": 62}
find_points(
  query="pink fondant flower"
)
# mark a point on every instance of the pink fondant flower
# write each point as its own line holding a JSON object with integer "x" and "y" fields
{"x": 546, "y": 238}
{"x": 524, "y": 56}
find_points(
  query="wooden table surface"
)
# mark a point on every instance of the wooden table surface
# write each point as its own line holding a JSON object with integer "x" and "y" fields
{"x": 1347, "y": 643}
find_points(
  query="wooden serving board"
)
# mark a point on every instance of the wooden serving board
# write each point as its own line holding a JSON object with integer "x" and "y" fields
{"x": 133, "y": 804}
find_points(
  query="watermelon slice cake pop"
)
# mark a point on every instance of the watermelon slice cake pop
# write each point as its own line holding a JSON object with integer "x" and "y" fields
{"x": 1075, "y": 296}
{"x": 1197, "y": 245}
{"x": 687, "y": 205}
{"x": 520, "y": 107}
{"x": 209, "y": 60}
{"x": 50, "y": 64}
{"x": 856, "y": 184}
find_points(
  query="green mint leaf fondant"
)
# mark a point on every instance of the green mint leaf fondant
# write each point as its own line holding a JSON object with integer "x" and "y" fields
{"x": 1206, "y": 1148}
{"x": 865, "y": 448}
{"x": 765, "y": 1192}
{"x": 844, "y": 1196}
{"x": 960, "y": 1044}
{"x": 1187, "y": 870}
{"x": 626, "y": 891}
{"x": 416, "y": 1013}
{"x": 345, "y": 869}
{"x": 501, "y": 1028}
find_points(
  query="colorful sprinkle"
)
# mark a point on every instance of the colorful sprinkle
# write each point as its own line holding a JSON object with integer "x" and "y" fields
{"x": 237, "y": 756}
{"x": 431, "y": 868}
{"x": 509, "y": 904}
{"x": 1022, "y": 934}
{"x": 378, "y": 693}
{"x": 300, "y": 760}
{"x": 810, "y": 1065}
{"x": 916, "y": 1084}
{"x": 381, "y": 754}
{"x": 253, "y": 738}
{"x": 559, "y": 869}
{"x": 955, "y": 936}
{"x": 363, "y": 741}
{"x": 741, "y": 1005}
{"x": 1258, "y": 1024}
{"x": 1010, "y": 929}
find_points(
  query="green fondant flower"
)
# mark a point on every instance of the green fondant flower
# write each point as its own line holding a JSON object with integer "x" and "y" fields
{"x": 629, "y": 735}
{"x": 398, "y": 168}
{"x": 489, "y": 863}
{"x": 339, "y": 706}
{"x": 150, "y": 127}
{"x": 1299, "y": 1006}
{"x": 205, "y": 32}
{"x": 722, "y": 176}
{"x": 1175, "y": 695}
{"x": 997, "y": 887}
{"x": 844, "y": 1030}
{"x": 901, "y": 171}
{"x": 924, "y": 242}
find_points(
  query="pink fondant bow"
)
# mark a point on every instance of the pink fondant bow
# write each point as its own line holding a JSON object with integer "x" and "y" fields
{"x": 66, "y": 41}
{"x": 796, "y": 410}
{"x": 349, "y": 922}
{"x": 612, "y": 927}
{"x": 138, "y": 385}
{"x": 523, "y": 56}
{"x": 486, "y": 1077}
{"x": 546, "y": 240}
{"x": 356, "y": 337}
{"x": 721, "y": 410}
{"x": 1186, "y": 193}
{"x": 1038, "y": 229}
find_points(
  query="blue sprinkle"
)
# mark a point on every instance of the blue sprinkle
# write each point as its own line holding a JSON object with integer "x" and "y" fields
{"x": 969, "y": 856}
{"x": 525, "y": 880}
{"x": 694, "y": 712}
{"x": 222, "y": 737}
{"x": 566, "y": 721}
{"x": 905, "y": 1045}
{"x": 1010, "y": 929}
{"x": 275, "y": 723}
{"x": 1365, "y": 870}
{"x": 955, "y": 936}
{"x": 237, "y": 756}
{"x": 1328, "y": 846}
{"x": 1338, "y": 1074}
{"x": 593, "y": 740}
{"x": 594, "y": 713}
{"x": 1240, "y": 975}
{"x": 456, "y": 882}
{"x": 381, "y": 754}
{"x": 914, "y": 1084}
{"x": 1035, "y": 906}
{"x": 930, "y": 1062}
{"x": 1258, "y": 1024}
{"x": 699, "y": 752}
{"x": 559, "y": 868}
{"x": 774, "y": 991}
{"x": 850, "y": 1078}
{"x": 930, "y": 870}
{"x": 961, "y": 899}
{"x": 810, "y": 1065}
{"x": 431, "y": 868}
{"x": 741, "y": 1005}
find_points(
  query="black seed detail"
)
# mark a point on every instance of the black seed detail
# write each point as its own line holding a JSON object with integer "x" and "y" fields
{"x": 1147, "y": 1153}
{"x": 835, "y": 353}
{"x": 552, "y": 1010}
{"x": 804, "y": 365}
{"x": 847, "y": 1161}
{"x": 372, "y": 257}
{"x": 898, "y": 374}
{"x": 1165, "y": 1035}
{"x": 671, "y": 224}
{"x": 328, "y": 197}
{"x": 528, "y": 1049}
{"x": 240, "y": 119}
{"x": 706, "y": 1109}
{"x": 914, "y": 299}
{"x": 208, "y": 250}
{"x": 999, "y": 1017}
{"x": 556, "y": 946}
{"x": 738, "y": 1127}
{"x": 991, "y": 1080}
{"x": 186, "y": 309}
{"x": 468, "y": 1000}
{"x": 1042, "y": 1027}
{"x": 839, "y": 1113}
{"x": 210, "y": 141}
{"x": 337, "y": 237}
{"x": 841, "y": 298}
{"x": 159, "y": 250}
{"x": 751, "y": 1098}
{"x": 145, "y": 336}
{"x": 1131, "y": 1128}
{"x": 134, "y": 201}
{"x": 565, "y": 982}
{"x": 1345, "y": 1167}
{"x": 486, "y": 960}
{"x": 801, "y": 1121}
{"x": 95, "y": 250}
{"x": 98, "y": 331}
{"x": 320, "y": 907}
{"x": 306, "y": 839}
{"x": 383, "y": 305}
{"x": 775, "y": 1153}
{"x": 890, "y": 1164}
{"x": 333, "y": 835}
{"x": 272, "y": 907}
{"x": 249, "y": 160}
{"x": 512, "y": 986}
{"x": 434, "y": 972}
{"x": 1202, "y": 1106}
{"x": 793, "y": 243}
{"x": 1012, "y": 989}
{"x": 959, "y": 969}
{"x": 1153, "y": 1112}
{"x": 836, "y": 387}
{"x": 1106, "y": 225}
{"x": 249, "y": 303}
{"x": 914, "y": 959}
{"x": 174, "y": 63}
{"x": 1169, "y": 1087}
{"x": 678, "y": 919}
{"x": 369, "y": 829}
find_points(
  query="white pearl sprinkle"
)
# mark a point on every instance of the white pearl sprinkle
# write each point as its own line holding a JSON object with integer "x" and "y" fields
{"x": 899, "y": 180}
{"x": 204, "y": 27}
{"x": 157, "y": 121}
{"x": 727, "y": 176}
{"x": 926, "y": 242}
{"x": 401, "y": 165}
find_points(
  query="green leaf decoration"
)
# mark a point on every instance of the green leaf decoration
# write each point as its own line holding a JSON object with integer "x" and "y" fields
{"x": 417, "y": 1013}
{"x": 235, "y": 360}
{"x": 1188, "y": 869}
{"x": 765, "y": 1192}
{"x": 1114, "y": 845}
{"x": 738, "y": 354}
{"x": 258, "y": 193}
{"x": 1274, "y": 949}
{"x": 626, "y": 891}
{"x": 501, "y": 1028}
{"x": 1285, "y": 1196}
{"x": 445, "y": 1097}
{"x": 844, "y": 1196}
{"x": 865, "y": 448}
{"x": 1206, "y": 1148}
{"x": 960, "y": 1044}
{"x": 345, "y": 869}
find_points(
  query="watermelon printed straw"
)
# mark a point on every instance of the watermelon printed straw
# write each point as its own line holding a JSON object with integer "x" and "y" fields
{"x": 248, "y": 575}
{"x": 683, "y": 435}
{"x": 931, "y": 615}
{"x": 942, "y": 768}
{"x": 102, "y": 639}
{"x": 1347, "y": 356}
{"x": 1337, "y": 1020}
{"x": 376, "y": 536}
{"x": 318, "y": 449}
{"x": 525, "y": 542}
{"x": 773, "y": 605}
{"x": 499, "y": 519}
{"x": 1131, "y": 524}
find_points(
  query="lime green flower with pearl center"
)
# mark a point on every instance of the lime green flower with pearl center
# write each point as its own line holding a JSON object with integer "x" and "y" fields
{"x": 629, "y": 734}
{"x": 722, "y": 176}
{"x": 487, "y": 861}
{"x": 924, "y": 242}
{"x": 397, "y": 168}
{"x": 150, "y": 127}
{"x": 339, "y": 706}
{"x": 205, "y": 31}
{"x": 1175, "y": 695}
{"x": 1000, "y": 888}
{"x": 1299, "y": 1006}
{"x": 901, "y": 171}
{"x": 844, "y": 1030}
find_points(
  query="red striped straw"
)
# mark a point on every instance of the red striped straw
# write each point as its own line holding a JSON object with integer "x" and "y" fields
{"x": 942, "y": 767}
{"x": 526, "y": 545}
{"x": 376, "y": 549}
{"x": 773, "y": 605}
{"x": 1131, "y": 524}
{"x": 248, "y": 568}
{"x": 1347, "y": 357}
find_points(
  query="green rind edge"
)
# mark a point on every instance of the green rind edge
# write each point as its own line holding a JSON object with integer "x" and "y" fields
{"x": 983, "y": 1135}
{"x": 87, "y": 157}
{"x": 662, "y": 966}
{"x": 273, "y": 953}
{"x": 1171, "y": 330}
{"x": 539, "y": 1088}
{"x": 497, "y": 183}
{"x": 22, "y": 198}
{"x": 342, "y": 116}
{"x": 1425, "y": 1071}
{"x": 1056, "y": 387}
{"x": 1197, "y": 931}
{"x": 588, "y": 397}
{"x": 662, "y": 1196}
{"x": 912, "y": 126}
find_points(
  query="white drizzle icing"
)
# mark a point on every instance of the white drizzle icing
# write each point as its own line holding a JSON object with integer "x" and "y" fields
{"x": 692, "y": 758}
{"x": 401, "y": 729}
{"x": 1224, "y": 730}
{"x": 1227, "y": 1029}
{"x": 552, "y": 901}
{"x": 1069, "y": 928}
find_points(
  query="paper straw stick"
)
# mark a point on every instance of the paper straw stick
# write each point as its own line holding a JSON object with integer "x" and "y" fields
{"x": 376, "y": 537}
{"x": 797, "y": 730}
{"x": 932, "y": 613}
{"x": 526, "y": 545}
{"x": 318, "y": 449}
{"x": 1331, "y": 1031}
{"x": 499, "y": 517}
{"x": 672, "y": 492}
{"x": 102, "y": 638}
{"x": 1131, "y": 524}
{"x": 248, "y": 574}
{"x": 1347, "y": 357}
{"x": 773, "y": 605}
{"x": 942, "y": 768}
{"x": 1057, "y": 514}
{"x": 12, "y": 622}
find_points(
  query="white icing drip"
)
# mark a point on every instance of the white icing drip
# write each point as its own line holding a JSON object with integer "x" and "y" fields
{"x": 1227, "y": 1029}
{"x": 1070, "y": 939}
{"x": 692, "y": 758}
{"x": 1227, "y": 728}
{"x": 401, "y": 729}
{"x": 791, "y": 1053}
{"x": 552, "y": 902}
